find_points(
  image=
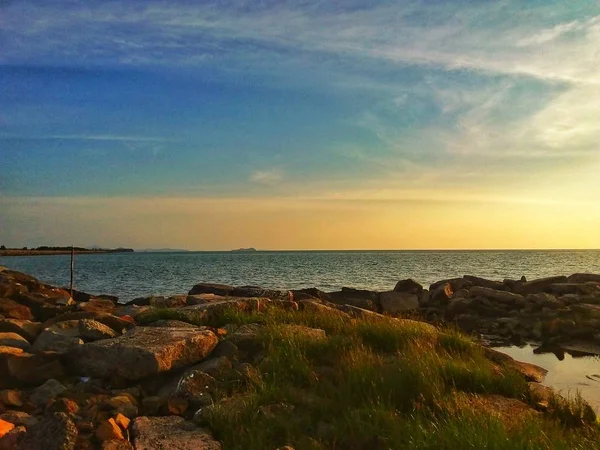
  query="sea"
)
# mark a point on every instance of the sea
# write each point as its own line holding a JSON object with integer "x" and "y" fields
{"x": 131, "y": 275}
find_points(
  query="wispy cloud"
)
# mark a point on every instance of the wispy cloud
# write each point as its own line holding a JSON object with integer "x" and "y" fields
{"x": 268, "y": 177}
{"x": 85, "y": 137}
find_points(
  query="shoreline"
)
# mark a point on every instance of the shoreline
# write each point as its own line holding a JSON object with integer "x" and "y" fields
{"x": 16, "y": 252}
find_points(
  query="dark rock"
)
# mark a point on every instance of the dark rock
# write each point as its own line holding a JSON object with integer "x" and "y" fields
{"x": 482, "y": 282}
{"x": 54, "y": 432}
{"x": 212, "y": 288}
{"x": 14, "y": 340}
{"x": 408, "y": 286}
{"x": 226, "y": 349}
{"x": 574, "y": 288}
{"x": 584, "y": 278}
{"x": 455, "y": 284}
{"x": 41, "y": 395}
{"x": 498, "y": 296}
{"x": 442, "y": 293}
{"x": 257, "y": 291}
{"x": 19, "y": 369}
{"x": 393, "y": 302}
{"x": 539, "y": 285}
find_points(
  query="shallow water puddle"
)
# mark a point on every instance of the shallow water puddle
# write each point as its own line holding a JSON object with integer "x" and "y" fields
{"x": 573, "y": 372}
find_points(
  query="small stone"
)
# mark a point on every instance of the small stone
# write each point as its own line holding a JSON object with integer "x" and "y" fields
{"x": 10, "y": 397}
{"x": 5, "y": 427}
{"x": 47, "y": 391}
{"x": 109, "y": 430}
{"x": 177, "y": 406}
{"x": 65, "y": 405}
{"x": 122, "y": 421}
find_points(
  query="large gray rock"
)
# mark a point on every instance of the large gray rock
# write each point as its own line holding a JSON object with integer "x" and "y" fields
{"x": 52, "y": 341}
{"x": 211, "y": 288}
{"x": 172, "y": 433}
{"x": 142, "y": 352}
{"x": 398, "y": 302}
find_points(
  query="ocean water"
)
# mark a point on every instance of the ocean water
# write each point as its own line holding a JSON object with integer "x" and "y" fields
{"x": 130, "y": 275}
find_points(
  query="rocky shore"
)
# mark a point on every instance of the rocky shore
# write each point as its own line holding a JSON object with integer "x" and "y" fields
{"x": 87, "y": 372}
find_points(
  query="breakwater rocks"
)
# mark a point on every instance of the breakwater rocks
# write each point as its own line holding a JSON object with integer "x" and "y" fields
{"x": 87, "y": 372}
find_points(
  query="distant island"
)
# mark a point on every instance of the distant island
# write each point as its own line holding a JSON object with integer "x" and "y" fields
{"x": 244, "y": 250}
{"x": 46, "y": 250}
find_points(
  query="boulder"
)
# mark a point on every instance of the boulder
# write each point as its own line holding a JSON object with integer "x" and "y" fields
{"x": 29, "y": 330}
{"x": 18, "y": 368}
{"x": 142, "y": 352}
{"x": 257, "y": 291}
{"x": 539, "y": 285}
{"x": 482, "y": 282}
{"x": 441, "y": 293}
{"x": 171, "y": 432}
{"x": 98, "y": 305}
{"x": 174, "y": 301}
{"x": 498, "y": 296}
{"x": 94, "y": 331}
{"x": 200, "y": 299}
{"x": 393, "y": 302}
{"x": 584, "y": 278}
{"x": 56, "y": 340}
{"x": 215, "y": 367}
{"x": 408, "y": 286}
{"x": 212, "y": 288}
{"x": 11, "y": 309}
{"x": 560, "y": 289}
{"x": 590, "y": 311}
{"x": 456, "y": 284}
{"x": 14, "y": 340}
{"x": 19, "y": 418}
{"x": 116, "y": 323}
{"x": 543, "y": 299}
{"x": 54, "y": 432}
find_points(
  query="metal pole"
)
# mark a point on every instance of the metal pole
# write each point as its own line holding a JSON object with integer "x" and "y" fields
{"x": 72, "y": 266}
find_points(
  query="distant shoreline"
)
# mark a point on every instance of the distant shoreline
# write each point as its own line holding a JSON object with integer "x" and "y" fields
{"x": 34, "y": 252}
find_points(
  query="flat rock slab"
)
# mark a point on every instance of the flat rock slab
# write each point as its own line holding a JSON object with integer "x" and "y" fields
{"x": 170, "y": 433}
{"x": 142, "y": 352}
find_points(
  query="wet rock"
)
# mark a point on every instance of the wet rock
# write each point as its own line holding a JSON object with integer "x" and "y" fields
{"x": 14, "y": 340}
{"x": 408, "y": 286}
{"x": 11, "y": 309}
{"x": 47, "y": 391}
{"x": 29, "y": 330}
{"x": 94, "y": 331}
{"x": 398, "y": 302}
{"x": 54, "y": 432}
{"x": 142, "y": 352}
{"x": 171, "y": 432}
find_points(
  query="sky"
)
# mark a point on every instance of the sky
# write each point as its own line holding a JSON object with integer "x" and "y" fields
{"x": 212, "y": 125}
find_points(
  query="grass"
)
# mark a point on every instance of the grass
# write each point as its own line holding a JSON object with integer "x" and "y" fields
{"x": 380, "y": 383}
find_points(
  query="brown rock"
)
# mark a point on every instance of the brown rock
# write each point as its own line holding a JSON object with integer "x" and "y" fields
{"x": 23, "y": 369}
{"x": 54, "y": 432}
{"x": 93, "y": 330}
{"x": 14, "y": 340}
{"x": 171, "y": 432}
{"x": 482, "y": 282}
{"x": 584, "y": 278}
{"x": 215, "y": 367}
{"x": 29, "y": 330}
{"x": 11, "y": 309}
{"x": 98, "y": 305}
{"x": 19, "y": 418}
{"x": 117, "y": 445}
{"x": 10, "y": 397}
{"x": 41, "y": 395}
{"x": 109, "y": 430}
{"x": 177, "y": 406}
{"x": 65, "y": 405}
{"x": 56, "y": 341}
{"x": 142, "y": 352}
{"x": 10, "y": 440}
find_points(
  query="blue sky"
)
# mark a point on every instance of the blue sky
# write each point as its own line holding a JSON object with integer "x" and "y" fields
{"x": 348, "y": 103}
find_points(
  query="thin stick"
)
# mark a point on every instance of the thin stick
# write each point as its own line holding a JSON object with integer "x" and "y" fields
{"x": 72, "y": 266}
